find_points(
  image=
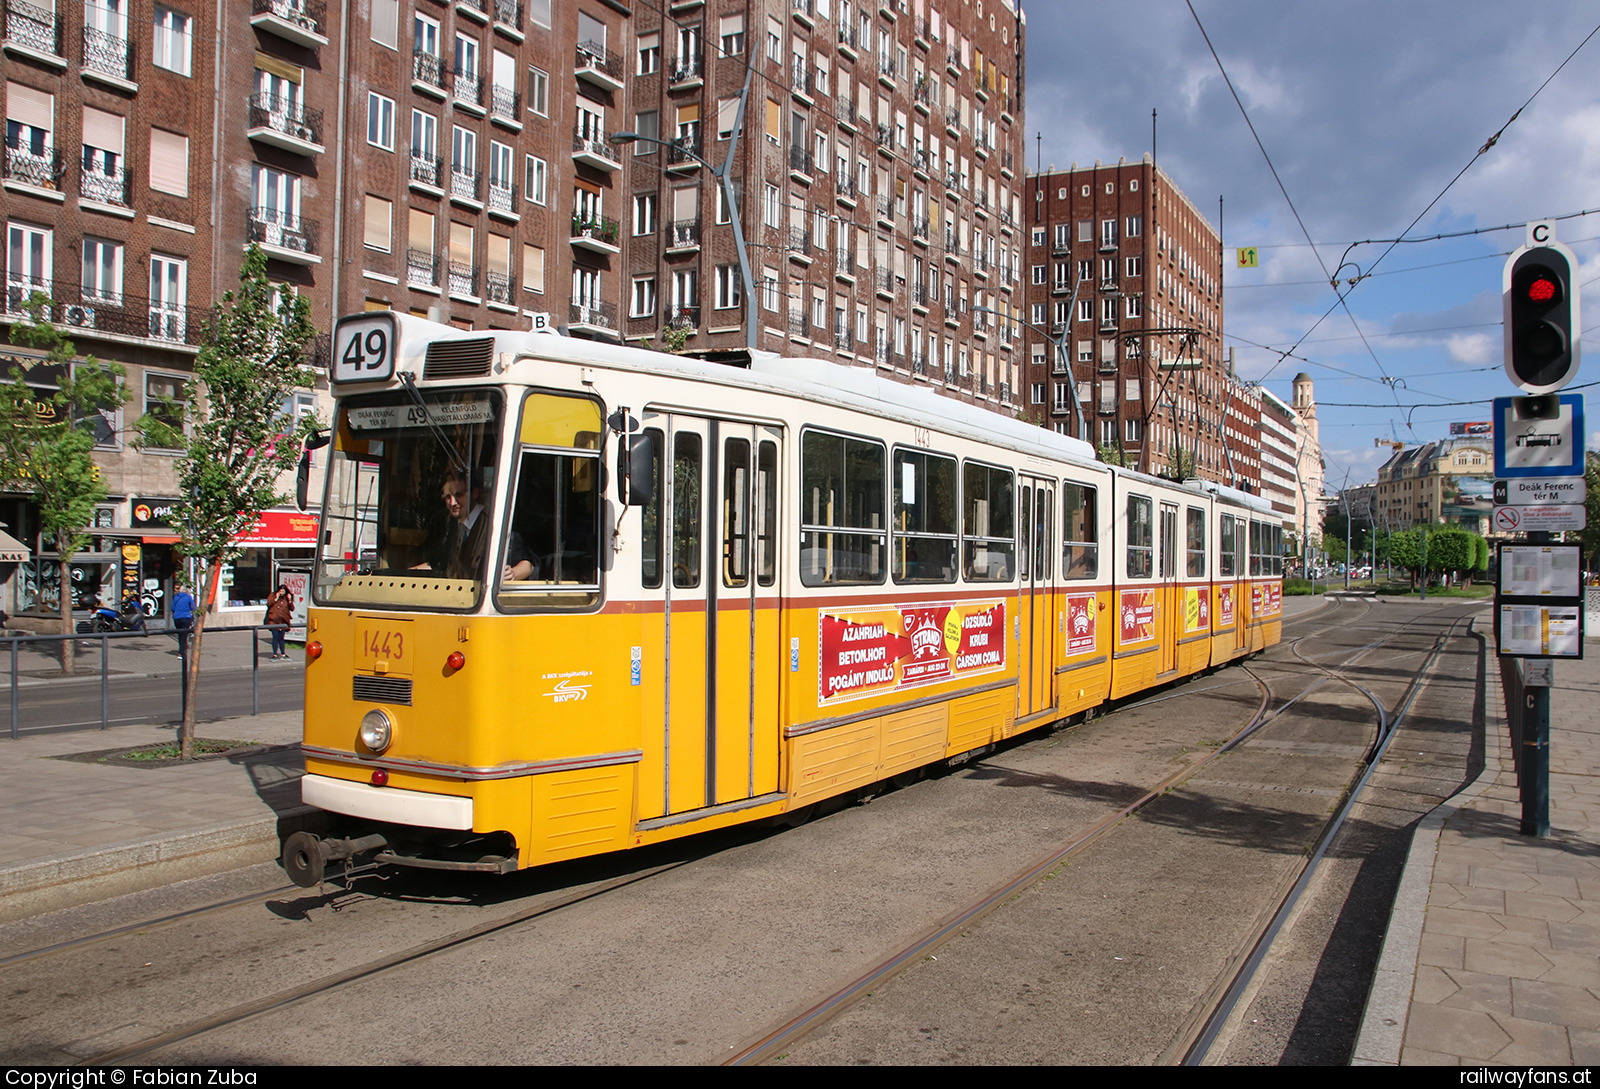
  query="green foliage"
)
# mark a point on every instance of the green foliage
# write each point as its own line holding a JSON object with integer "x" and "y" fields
{"x": 1111, "y": 455}
{"x": 46, "y": 440}
{"x": 1450, "y": 550}
{"x": 236, "y": 441}
{"x": 1589, "y": 537}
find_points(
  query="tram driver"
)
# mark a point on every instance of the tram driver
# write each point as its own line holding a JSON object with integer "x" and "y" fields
{"x": 466, "y": 542}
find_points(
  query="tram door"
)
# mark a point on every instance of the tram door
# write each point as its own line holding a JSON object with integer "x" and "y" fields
{"x": 719, "y": 728}
{"x": 1169, "y": 600}
{"x": 1036, "y": 616}
{"x": 1241, "y": 584}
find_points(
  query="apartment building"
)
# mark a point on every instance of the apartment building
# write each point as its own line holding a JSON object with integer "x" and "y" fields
{"x": 458, "y": 160}
{"x": 1124, "y": 307}
{"x": 1447, "y": 481}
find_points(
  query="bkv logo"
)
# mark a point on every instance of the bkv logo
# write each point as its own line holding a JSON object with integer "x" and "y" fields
{"x": 567, "y": 691}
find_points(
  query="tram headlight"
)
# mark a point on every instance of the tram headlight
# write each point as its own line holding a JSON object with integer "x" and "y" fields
{"x": 377, "y": 731}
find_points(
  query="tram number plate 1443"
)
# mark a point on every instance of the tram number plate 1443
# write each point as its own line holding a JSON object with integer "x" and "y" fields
{"x": 384, "y": 647}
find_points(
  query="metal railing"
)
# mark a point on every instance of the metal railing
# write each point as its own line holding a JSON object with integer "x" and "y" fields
{"x": 467, "y": 86}
{"x": 504, "y": 102}
{"x": 107, "y": 53}
{"x": 594, "y": 145}
{"x": 40, "y": 169}
{"x": 33, "y": 27}
{"x": 800, "y": 160}
{"x": 286, "y": 116}
{"x": 682, "y": 315}
{"x": 115, "y": 315}
{"x": 270, "y": 227}
{"x": 502, "y": 197}
{"x": 593, "y": 57}
{"x": 311, "y": 15}
{"x": 462, "y": 278}
{"x": 427, "y": 169}
{"x": 800, "y": 240}
{"x": 508, "y": 13}
{"x": 497, "y": 288}
{"x": 422, "y": 268}
{"x": 427, "y": 68}
{"x": 113, "y": 188}
{"x": 682, "y": 233}
{"x": 689, "y": 66}
{"x": 602, "y": 315}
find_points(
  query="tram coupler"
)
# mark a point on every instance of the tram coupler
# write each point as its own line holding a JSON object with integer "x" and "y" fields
{"x": 306, "y": 856}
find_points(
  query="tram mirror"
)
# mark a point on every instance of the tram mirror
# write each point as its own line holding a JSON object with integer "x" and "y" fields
{"x": 641, "y": 470}
{"x": 302, "y": 481}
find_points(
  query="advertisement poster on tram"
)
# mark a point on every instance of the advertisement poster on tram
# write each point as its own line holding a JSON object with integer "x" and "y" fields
{"x": 1080, "y": 623}
{"x": 1225, "y": 606}
{"x": 1266, "y": 600}
{"x": 874, "y": 651}
{"x": 1196, "y": 609}
{"x": 1137, "y": 609}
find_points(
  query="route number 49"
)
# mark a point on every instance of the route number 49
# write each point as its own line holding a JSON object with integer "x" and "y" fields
{"x": 364, "y": 351}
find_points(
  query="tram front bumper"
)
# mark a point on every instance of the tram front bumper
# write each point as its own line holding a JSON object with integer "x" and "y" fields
{"x": 390, "y": 805}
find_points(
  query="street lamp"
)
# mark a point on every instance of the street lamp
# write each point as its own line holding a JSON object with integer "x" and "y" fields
{"x": 1060, "y": 343}
{"x": 721, "y": 174}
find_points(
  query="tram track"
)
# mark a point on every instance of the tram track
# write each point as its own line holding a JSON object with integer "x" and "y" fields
{"x": 1203, "y": 1026}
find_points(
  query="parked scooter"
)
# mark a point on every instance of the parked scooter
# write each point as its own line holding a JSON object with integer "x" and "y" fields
{"x": 105, "y": 619}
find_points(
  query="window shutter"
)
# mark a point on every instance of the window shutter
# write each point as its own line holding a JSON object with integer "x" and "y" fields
{"x": 31, "y": 107}
{"x": 169, "y": 162}
{"x": 102, "y": 130}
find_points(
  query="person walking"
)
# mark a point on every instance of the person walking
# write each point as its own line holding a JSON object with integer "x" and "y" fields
{"x": 280, "y": 608}
{"x": 183, "y": 616}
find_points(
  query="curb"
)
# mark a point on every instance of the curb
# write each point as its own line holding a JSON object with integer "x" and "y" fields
{"x": 1383, "y": 1025}
{"x": 36, "y": 887}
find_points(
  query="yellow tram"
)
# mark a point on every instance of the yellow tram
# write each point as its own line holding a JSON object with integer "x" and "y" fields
{"x": 573, "y": 597}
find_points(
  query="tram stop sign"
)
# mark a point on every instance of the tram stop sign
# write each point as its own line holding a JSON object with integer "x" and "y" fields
{"x": 1545, "y": 443}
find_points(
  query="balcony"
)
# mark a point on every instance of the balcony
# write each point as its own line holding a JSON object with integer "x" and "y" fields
{"x": 886, "y": 71}
{"x": 593, "y": 150}
{"x": 422, "y": 269}
{"x": 505, "y": 107}
{"x": 284, "y": 123}
{"x": 800, "y": 82}
{"x": 800, "y": 245}
{"x": 952, "y": 120}
{"x": 844, "y": 188}
{"x": 34, "y": 33}
{"x": 35, "y": 172}
{"x": 922, "y": 95}
{"x": 849, "y": 40}
{"x": 683, "y": 154}
{"x": 595, "y": 233}
{"x": 286, "y": 237}
{"x": 1061, "y": 287}
{"x": 465, "y": 183}
{"x": 880, "y": 352}
{"x": 503, "y": 201}
{"x": 844, "y": 340}
{"x": 920, "y": 162}
{"x": 682, "y": 315}
{"x": 805, "y": 12}
{"x": 427, "y": 74}
{"x": 303, "y": 22}
{"x": 108, "y": 59}
{"x": 919, "y": 296}
{"x": 1062, "y": 246}
{"x": 466, "y": 91}
{"x": 1008, "y": 162}
{"x": 884, "y": 283}
{"x": 848, "y": 117}
{"x": 687, "y": 73}
{"x": 476, "y": 10}
{"x": 508, "y": 18}
{"x": 427, "y": 173}
{"x": 800, "y": 326}
{"x": 461, "y": 279}
{"x": 498, "y": 289}
{"x": 920, "y": 229}
{"x": 885, "y": 208}
{"x": 108, "y": 317}
{"x": 844, "y": 265}
{"x": 885, "y": 140}
{"x": 112, "y": 190}
{"x": 594, "y": 64}
{"x": 919, "y": 363}
{"x": 800, "y": 165}
{"x": 683, "y": 235}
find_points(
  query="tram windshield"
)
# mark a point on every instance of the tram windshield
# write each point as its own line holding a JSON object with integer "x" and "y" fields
{"x": 411, "y": 495}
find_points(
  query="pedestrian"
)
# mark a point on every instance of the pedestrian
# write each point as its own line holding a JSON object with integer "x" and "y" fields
{"x": 280, "y": 607}
{"x": 183, "y": 616}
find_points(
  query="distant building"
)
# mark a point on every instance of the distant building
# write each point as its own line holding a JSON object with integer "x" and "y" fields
{"x": 1450, "y": 481}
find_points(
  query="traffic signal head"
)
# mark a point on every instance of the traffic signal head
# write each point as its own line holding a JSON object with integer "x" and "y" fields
{"x": 1541, "y": 319}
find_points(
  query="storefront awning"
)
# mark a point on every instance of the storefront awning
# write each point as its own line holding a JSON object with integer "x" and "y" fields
{"x": 282, "y": 529}
{"x": 12, "y": 550}
{"x": 159, "y": 538}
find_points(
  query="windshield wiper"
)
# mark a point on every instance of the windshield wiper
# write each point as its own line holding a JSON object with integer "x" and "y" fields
{"x": 457, "y": 462}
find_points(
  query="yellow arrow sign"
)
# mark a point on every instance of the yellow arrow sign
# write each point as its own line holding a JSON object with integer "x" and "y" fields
{"x": 1248, "y": 258}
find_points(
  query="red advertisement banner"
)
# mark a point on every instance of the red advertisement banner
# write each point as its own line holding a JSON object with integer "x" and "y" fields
{"x": 1225, "y": 606}
{"x": 1080, "y": 623}
{"x": 878, "y": 650}
{"x": 1137, "y": 610}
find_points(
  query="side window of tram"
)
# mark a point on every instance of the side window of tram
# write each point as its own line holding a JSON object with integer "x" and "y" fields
{"x": 1080, "y": 548}
{"x": 736, "y": 512}
{"x": 1196, "y": 518}
{"x": 989, "y": 536}
{"x": 766, "y": 514}
{"x": 1255, "y": 547}
{"x": 554, "y": 539}
{"x": 1225, "y": 547}
{"x": 686, "y": 510}
{"x": 650, "y": 513}
{"x": 1141, "y": 537}
{"x": 925, "y": 504}
{"x": 843, "y": 537}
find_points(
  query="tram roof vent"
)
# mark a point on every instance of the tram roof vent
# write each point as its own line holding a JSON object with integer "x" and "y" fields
{"x": 459, "y": 358}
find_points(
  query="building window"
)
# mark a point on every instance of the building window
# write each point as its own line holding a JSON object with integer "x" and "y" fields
{"x": 770, "y": 206}
{"x": 1135, "y": 306}
{"x": 1036, "y": 393}
{"x": 649, "y": 54}
{"x": 769, "y": 290}
{"x": 647, "y": 124}
{"x": 538, "y": 91}
{"x": 163, "y": 400}
{"x": 1108, "y": 232}
{"x": 1135, "y": 224}
{"x": 380, "y": 216}
{"x": 1036, "y": 315}
{"x": 644, "y": 297}
{"x": 380, "y": 121}
{"x": 644, "y": 213}
{"x": 102, "y": 270}
{"x": 169, "y": 162}
{"x": 533, "y": 269}
{"x": 386, "y": 23}
{"x": 535, "y": 177}
{"x": 732, "y": 35}
{"x": 1038, "y": 236}
{"x": 174, "y": 32}
{"x": 1038, "y": 274}
{"x": 168, "y": 285}
{"x": 728, "y": 287}
{"x": 1135, "y": 267}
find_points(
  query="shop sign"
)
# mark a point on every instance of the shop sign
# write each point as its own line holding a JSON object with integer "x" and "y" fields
{"x": 880, "y": 650}
{"x": 151, "y": 512}
{"x": 281, "y": 529}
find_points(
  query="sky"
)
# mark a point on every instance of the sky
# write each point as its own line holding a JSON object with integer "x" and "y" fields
{"x": 1367, "y": 110}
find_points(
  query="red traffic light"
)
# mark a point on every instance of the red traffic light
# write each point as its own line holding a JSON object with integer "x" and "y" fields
{"x": 1542, "y": 290}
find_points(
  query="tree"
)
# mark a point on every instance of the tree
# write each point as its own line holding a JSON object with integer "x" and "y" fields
{"x": 1589, "y": 537}
{"x": 46, "y": 441}
{"x": 1111, "y": 455}
{"x": 236, "y": 439}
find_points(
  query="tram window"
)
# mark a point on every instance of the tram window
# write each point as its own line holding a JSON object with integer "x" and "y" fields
{"x": 1196, "y": 519}
{"x": 1025, "y": 524}
{"x": 842, "y": 535}
{"x": 767, "y": 514}
{"x": 1225, "y": 547}
{"x": 925, "y": 537}
{"x": 1141, "y": 537}
{"x": 552, "y": 547}
{"x": 686, "y": 510}
{"x": 1255, "y": 547}
{"x": 650, "y": 514}
{"x": 1080, "y": 532}
{"x": 736, "y": 512}
{"x": 989, "y": 537}
{"x": 1277, "y": 550}
{"x": 1043, "y": 521}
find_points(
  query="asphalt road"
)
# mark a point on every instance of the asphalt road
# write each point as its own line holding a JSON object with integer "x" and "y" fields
{"x": 76, "y": 704}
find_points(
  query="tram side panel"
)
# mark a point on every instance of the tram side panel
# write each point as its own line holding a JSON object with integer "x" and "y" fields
{"x": 1087, "y": 618}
